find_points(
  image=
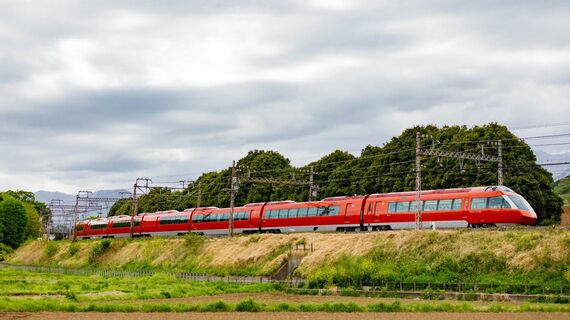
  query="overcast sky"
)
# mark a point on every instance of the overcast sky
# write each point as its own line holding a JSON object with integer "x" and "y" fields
{"x": 96, "y": 93}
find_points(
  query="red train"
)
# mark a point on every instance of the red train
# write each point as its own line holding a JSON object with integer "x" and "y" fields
{"x": 449, "y": 208}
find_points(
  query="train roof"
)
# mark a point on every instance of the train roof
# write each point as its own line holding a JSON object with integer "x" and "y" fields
{"x": 443, "y": 191}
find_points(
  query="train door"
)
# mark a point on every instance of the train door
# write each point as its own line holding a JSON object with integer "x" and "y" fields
{"x": 349, "y": 207}
{"x": 250, "y": 219}
{"x": 380, "y": 212}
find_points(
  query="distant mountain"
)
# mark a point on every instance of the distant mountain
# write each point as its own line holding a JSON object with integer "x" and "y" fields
{"x": 558, "y": 172}
{"x": 47, "y": 196}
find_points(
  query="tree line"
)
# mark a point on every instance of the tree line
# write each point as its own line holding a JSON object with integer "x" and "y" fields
{"x": 378, "y": 169}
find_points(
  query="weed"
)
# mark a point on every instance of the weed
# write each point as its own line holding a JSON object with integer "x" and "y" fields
{"x": 248, "y": 305}
{"x": 73, "y": 249}
{"x": 218, "y": 306}
{"x": 71, "y": 296}
{"x": 194, "y": 241}
{"x": 385, "y": 307}
{"x": 50, "y": 249}
{"x": 98, "y": 249}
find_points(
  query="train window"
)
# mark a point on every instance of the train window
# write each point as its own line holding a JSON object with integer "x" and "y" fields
{"x": 322, "y": 211}
{"x": 444, "y": 204}
{"x": 498, "y": 202}
{"x": 392, "y": 207}
{"x": 312, "y": 212}
{"x": 226, "y": 216}
{"x": 292, "y": 213}
{"x": 413, "y": 206}
{"x": 334, "y": 210}
{"x": 79, "y": 228}
{"x": 430, "y": 205}
{"x": 302, "y": 212}
{"x": 456, "y": 204}
{"x": 478, "y": 203}
{"x": 520, "y": 202}
{"x": 495, "y": 203}
{"x": 98, "y": 226}
{"x": 245, "y": 216}
{"x": 283, "y": 213}
{"x": 123, "y": 224}
{"x": 197, "y": 218}
{"x": 403, "y": 206}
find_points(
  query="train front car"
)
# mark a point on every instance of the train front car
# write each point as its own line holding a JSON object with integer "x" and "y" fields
{"x": 498, "y": 206}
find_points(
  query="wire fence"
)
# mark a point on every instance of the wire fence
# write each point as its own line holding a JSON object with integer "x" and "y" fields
{"x": 190, "y": 276}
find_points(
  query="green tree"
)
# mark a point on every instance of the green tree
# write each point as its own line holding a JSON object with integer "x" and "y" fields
{"x": 14, "y": 221}
{"x": 34, "y": 210}
{"x": 378, "y": 169}
{"x": 121, "y": 207}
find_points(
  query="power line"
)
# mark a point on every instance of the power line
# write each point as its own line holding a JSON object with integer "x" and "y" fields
{"x": 547, "y": 125}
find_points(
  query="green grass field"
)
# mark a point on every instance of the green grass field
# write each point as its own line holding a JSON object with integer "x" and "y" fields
{"x": 30, "y": 291}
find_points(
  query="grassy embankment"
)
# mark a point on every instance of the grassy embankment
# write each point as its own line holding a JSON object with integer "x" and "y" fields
{"x": 27, "y": 291}
{"x": 540, "y": 256}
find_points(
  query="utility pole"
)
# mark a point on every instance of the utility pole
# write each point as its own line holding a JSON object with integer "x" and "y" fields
{"x": 312, "y": 186}
{"x": 418, "y": 183}
{"x": 135, "y": 202}
{"x": 76, "y": 211}
{"x": 185, "y": 183}
{"x": 48, "y": 223}
{"x": 75, "y": 215}
{"x": 233, "y": 192}
{"x": 500, "y": 161}
{"x": 199, "y": 196}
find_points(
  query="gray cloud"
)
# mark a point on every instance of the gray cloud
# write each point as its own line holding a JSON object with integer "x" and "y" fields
{"x": 96, "y": 94}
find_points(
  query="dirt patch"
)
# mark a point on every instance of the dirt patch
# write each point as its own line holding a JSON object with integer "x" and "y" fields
{"x": 276, "y": 297}
{"x": 280, "y": 316}
{"x": 113, "y": 293}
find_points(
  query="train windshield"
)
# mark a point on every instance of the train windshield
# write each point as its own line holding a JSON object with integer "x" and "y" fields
{"x": 520, "y": 202}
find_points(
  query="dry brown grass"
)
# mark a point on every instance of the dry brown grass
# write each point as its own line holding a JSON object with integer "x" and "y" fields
{"x": 522, "y": 249}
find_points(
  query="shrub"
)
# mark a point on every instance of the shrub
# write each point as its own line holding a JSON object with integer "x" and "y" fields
{"x": 194, "y": 240}
{"x": 218, "y": 306}
{"x": 5, "y": 251}
{"x": 73, "y": 249}
{"x": 70, "y": 296}
{"x": 50, "y": 249}
{"x": 284, "y": 307}
{"x": 248, "y": 305}
{"x": 385, "y": 307}
{"x": 98, "y": 249}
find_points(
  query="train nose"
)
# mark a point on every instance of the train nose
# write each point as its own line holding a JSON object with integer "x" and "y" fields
{"x": 528, "y": 217}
